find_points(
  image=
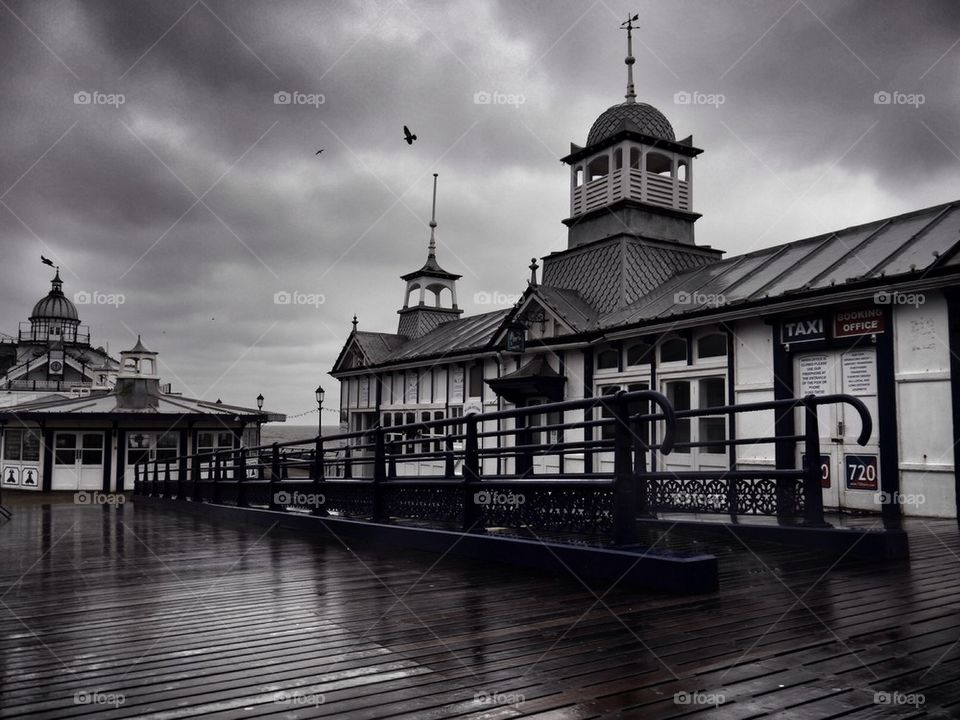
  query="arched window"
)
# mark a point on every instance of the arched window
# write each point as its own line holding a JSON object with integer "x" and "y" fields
{"x": 617, "y": 159}
{"x": 608, "y": 359}
{"x": 598, "y": 167}
{"x": 673, "y": 350}
{"x": 682, "y": 170}
{"x": 659, "y": 164}
{"x": 579, "y": 176}
{"x": 635, "y": 158}
{"x": 712, "y": 345}
{"x": 639, "y": 353}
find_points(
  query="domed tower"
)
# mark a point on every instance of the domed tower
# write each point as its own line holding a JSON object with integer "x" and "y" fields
{"x": 54, "y": 318}
{"x": 420, "y": 318}
{"x": 633, "y": 175}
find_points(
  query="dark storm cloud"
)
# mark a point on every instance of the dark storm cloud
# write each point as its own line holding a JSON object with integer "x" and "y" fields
{"x": 797, "y": 147}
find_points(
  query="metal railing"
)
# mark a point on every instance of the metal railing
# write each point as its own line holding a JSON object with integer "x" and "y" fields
{"x": 530, "y": 467}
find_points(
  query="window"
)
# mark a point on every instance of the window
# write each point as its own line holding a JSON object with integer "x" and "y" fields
{"x": 208, "y": 441}
{"x": 92, "y": 450}
{"x": 21, "y": 444}
{"x": 639, "y": 354}
{"x": 617, "y": 159}
{"x": 678, "y": 394}
{"x": 659, "y": 164}
{"x": 608, "y": 360}
{"x": 476, "y": 380}
{"x": 712, "y": 345}
{"x": 636, "y": 407}
{"x": 143, "y": 446}
{"x": 673, "y": 350}
{"x": 712, "y": 428}
{"x": 65, "y": 449}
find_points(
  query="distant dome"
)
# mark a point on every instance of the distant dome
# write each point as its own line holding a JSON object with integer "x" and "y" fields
{"x": 646, "y": 119}
{"x": 56, "y": 305}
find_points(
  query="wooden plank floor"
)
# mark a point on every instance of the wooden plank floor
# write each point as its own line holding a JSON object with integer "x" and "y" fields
{"x": 143, "y": 612}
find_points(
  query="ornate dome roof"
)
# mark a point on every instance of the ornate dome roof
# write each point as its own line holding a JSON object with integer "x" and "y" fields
{"x": 56, "y": 305}
{"x": 645, "y": 119}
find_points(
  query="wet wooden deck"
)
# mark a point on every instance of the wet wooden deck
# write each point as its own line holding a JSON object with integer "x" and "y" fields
{"x": 143, "y": 612}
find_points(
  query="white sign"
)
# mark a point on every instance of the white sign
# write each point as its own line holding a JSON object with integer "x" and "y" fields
{"x": 364, "y": 392}
{"x": 456, "y": 385}
{"x": 859, "y": 372}
{"x": 814, "y": 371}
{"x": 411, "y": 388}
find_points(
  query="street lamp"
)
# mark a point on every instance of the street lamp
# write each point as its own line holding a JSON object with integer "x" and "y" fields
{"x": 319, "y": 394}
{"x": 259, "y": 407}
{"x": 260, "y": 401}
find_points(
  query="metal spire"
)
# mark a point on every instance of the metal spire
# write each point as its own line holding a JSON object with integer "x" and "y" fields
{"x": 631, "y": 95}
{"x": 432, "y": 251}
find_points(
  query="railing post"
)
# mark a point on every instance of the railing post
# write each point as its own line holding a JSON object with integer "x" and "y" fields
{"x": 156, "y": 479}
{"x": 449, "y": 465}
{"x": 217, "y": 477}
{"x": 137, "y": 487}
{"x": 640, "y": 449}
{"x": 274, "y": 476}
{"x": 471, "y": 474}
{"x": 812, "y": 492}
{"x": 240, "y": 476}
{"x": 347, "y": 462}
{"x": 166, "y": 479}
{"x": 523, "y": 459}
{"x": 318, "y": 475}
{"x": 195, "y": 468}
{"x": 624, "y": 485}
{"x": 395, "y": 446}
{"x": 379, "y": 472}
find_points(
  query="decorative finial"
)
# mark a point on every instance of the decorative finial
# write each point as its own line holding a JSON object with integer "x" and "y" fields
{"x": 354, "y": 322}
{"x": 533, "y": 271}
{"x": 631, "y": 95}
{"x": 432, "y": 251}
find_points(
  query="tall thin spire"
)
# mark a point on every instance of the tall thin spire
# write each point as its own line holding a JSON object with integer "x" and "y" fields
{"x": 631, "y": 95}
{"x": 432, "y": 252}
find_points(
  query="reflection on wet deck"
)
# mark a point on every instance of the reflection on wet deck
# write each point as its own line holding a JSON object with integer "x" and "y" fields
{"x": 143, "y": 612}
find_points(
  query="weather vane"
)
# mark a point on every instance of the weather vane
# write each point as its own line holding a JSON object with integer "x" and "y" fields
{"x": 631, "y": 95}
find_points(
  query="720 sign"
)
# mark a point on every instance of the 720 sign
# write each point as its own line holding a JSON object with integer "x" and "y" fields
{"x": 861, "y": 472}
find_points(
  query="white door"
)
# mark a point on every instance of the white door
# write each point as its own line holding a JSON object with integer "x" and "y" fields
{"x": 851, "y": 472}
{"x": 77, "y": 461}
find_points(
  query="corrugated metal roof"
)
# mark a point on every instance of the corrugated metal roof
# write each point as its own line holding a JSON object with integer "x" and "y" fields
{"x": 107, "y": 402}
{"x": 455, "y": 336}
{"x": 897, "y": 246}
{"x": 378, "y": 346}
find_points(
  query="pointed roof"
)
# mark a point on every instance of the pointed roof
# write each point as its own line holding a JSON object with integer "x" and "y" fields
{"x": 140, "y": 349}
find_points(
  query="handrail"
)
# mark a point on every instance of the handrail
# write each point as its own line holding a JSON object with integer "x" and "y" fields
{"x": 461, "y": 454}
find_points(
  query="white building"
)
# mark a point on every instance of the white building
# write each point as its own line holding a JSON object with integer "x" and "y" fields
{"x": 633, "y": 302}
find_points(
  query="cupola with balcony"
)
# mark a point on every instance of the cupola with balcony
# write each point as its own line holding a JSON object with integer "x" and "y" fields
{"x": 633, "y": 176}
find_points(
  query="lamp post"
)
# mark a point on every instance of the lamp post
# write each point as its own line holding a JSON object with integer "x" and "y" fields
{"x": 259, "y": 407}
{"x": 319, "y": 394}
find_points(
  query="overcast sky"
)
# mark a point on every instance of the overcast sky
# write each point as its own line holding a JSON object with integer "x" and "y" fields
{"x": 199, "y": 197}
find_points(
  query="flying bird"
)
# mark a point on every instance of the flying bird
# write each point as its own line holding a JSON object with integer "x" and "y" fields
{"x": 46, "y": 261}
{"x": 408, "y": 136}
{"x": 319, "y": 151}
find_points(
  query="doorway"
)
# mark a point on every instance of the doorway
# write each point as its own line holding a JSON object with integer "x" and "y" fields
{"x": 77, "y": 461}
